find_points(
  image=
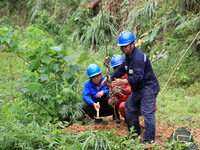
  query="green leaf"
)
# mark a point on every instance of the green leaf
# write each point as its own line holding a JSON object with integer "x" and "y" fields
{"x": 56, "y": 48}
{"x": 42, "y": 51}
{"x": 14, "y": 108}
{"x": 45, "y": 96}
{"x": 34, "y": 65}
{"x": 46, "y": 59}
{"x": 32, "y": 56}
{"x": 67, "y": 91}
{"x": 68, "y": 58}
{"x": 83, "y": 57}
{"x": 66, "y": 75}
{"x": 56, "y": 67}
{"x": 13, "y": 44}
{"x": 47, "y": 138}
{"x": 33, "y": 88}
{"x": 4, "y": 29}
{"x": 26, "y": 74}
{"x": 59, "y": 101}
{"x": 44, "y": 77}
{"x": 54, "y": 112}
{"x": 46, "y": 44}
{"x": 50, "y": 103}
{"x": 17, "y": 84}
{"x": 46, "y": 69}
{"x": 33, "y": 78}
{"x": 2, "y": 39}
{"x": 9, "y": 34}
{"x": 24, "y": 89}
{"x": 34, "y": 34}
{"x": 30, "y": 28}
{"x": 92, "y": 142}
{"x": 74, "y": 68}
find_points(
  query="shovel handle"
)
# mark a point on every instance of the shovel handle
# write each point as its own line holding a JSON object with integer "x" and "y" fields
{"x": 98, "y": 111}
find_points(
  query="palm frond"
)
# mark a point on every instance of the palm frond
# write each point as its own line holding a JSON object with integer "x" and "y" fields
{"x": 137, "y": 17}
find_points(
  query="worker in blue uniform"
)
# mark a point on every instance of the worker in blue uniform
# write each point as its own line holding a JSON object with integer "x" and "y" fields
{"x": 94, "y": 92}
{"x": 144, "y": 86}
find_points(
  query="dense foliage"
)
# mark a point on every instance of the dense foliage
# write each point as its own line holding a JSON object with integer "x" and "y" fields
{"x": 46, "y": 46}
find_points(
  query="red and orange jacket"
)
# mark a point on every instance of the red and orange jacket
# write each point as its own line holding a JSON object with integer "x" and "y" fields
{"x": 125, "y": 94}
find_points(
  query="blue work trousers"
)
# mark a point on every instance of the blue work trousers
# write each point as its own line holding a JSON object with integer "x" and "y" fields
{"x": 143, "y": 99}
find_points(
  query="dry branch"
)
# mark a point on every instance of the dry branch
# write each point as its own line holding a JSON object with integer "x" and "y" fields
{"x": 93, "y": 4}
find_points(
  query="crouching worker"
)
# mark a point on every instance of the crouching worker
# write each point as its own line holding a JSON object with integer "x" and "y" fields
{"x": 94, "y": 92}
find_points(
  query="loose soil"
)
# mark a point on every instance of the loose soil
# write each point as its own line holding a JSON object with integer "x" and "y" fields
{"x": 163, "y": 132}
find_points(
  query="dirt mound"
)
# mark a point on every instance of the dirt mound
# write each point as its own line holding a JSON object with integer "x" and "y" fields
{"x": 121, "y": 129}
{"x": 162, "y": 132}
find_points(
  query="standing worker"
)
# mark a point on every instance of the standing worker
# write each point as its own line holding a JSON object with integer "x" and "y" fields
{"x": 94, "y": 92}
{"x": 116, "y": 61}
{"x": 144, "y": 85}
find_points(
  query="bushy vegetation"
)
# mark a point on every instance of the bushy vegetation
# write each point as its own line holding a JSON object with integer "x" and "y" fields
{"x": 46, "y": 47}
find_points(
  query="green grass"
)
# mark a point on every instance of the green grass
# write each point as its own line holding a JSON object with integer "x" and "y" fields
{"x": 21, "y": 127}
{"x": 10, "y": 69}
{"x": 179, "y": 106}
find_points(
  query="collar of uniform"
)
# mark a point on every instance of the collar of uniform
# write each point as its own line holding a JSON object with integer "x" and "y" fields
{"x": 132, "y": 54}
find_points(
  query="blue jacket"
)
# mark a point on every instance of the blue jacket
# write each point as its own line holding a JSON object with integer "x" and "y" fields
{"x": 90, "y": 91}
{"x": 139, "y": 71}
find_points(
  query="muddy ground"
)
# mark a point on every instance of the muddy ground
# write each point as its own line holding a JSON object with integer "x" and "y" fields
{"x": 163, "y": 132}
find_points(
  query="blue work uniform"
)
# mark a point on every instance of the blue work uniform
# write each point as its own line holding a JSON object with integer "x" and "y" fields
{"x": 89, "y": 96}
{"x": 90, "y": 90}
{"x": 145, "y": 88}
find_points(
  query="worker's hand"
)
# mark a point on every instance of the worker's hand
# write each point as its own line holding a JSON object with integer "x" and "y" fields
{"x": 119, "y": 81}
{"x": 105, "y": 80}
{"x": 111, "y": 102}
{"x": 99, "y": 94}
{"x": 96, "y": 106}
{"x": 117, "y": 91}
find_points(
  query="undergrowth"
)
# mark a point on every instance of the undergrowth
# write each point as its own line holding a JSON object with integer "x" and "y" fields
{"x": 164, "y": 30}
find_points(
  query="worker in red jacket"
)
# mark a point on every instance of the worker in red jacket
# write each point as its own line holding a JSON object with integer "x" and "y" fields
{"x": 116, "y": 61}
{"x": 120, "y": 99}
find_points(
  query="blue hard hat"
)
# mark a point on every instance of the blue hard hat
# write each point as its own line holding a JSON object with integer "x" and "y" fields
{"x": 116, "y": 60}
{"x": 93, "y": 70}
{"x": 126, "y": 38}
